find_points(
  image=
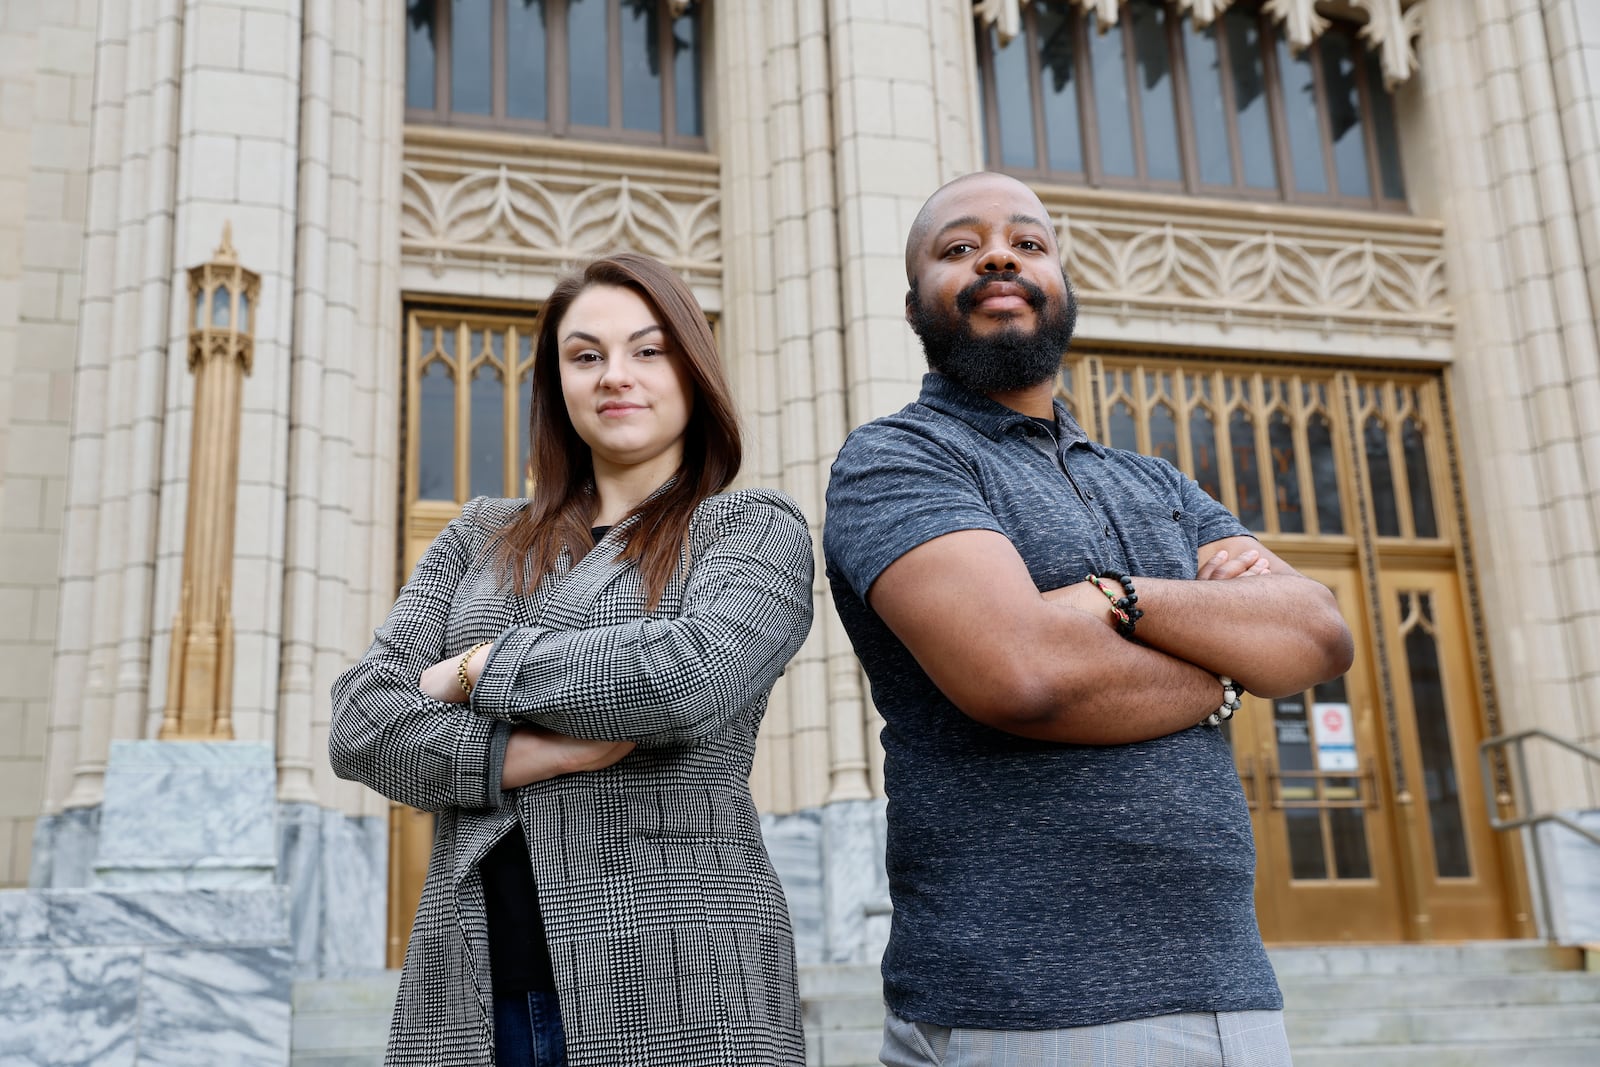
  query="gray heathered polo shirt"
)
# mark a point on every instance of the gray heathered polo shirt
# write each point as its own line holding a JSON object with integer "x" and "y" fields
{"x": 1040, "y": 885}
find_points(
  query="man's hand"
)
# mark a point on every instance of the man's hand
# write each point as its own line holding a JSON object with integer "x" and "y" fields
{"x": 534, "y": 754}
{"x": 1220, "y": 566}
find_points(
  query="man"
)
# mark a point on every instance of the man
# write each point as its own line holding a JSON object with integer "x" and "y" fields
{"x": 1069, "y": 851}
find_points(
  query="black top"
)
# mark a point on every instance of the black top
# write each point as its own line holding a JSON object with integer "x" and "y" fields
{"x": 519, "y": 955}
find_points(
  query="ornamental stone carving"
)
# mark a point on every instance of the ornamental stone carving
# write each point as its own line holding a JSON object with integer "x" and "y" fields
{"x": 1390, "y": 26}
{"x": 471, "y": 200}
{"x": 1236, "y": 264}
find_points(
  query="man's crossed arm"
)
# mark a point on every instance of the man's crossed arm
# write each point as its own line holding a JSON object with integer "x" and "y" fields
{"x": 1052, "y": 667}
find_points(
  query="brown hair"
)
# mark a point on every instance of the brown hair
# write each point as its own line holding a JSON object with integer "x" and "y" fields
{"x": 560, "y": 515}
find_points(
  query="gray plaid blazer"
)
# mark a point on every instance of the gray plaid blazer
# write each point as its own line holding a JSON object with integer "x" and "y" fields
{"x": 668, "y": 930}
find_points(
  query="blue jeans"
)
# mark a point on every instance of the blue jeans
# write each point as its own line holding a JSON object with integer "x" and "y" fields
{"x": 527, "y": 1031}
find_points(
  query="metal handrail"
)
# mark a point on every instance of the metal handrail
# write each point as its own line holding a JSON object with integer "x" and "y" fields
{"x": 1524, "y": 802}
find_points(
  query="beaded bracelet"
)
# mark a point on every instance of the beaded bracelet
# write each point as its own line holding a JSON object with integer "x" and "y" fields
{"x": 1231, "y": 696}
{"x": 461, "y": 666}
{"x": 1116, "y": 612}
{"x": 1126, "y": 604}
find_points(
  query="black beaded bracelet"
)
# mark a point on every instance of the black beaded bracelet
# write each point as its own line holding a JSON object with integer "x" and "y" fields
{"x": 1126, "y": 603}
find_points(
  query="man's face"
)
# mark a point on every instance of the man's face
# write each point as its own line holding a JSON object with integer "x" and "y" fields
{"x": 988, "y": 298}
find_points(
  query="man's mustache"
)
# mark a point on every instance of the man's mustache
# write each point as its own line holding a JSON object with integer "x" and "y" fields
{"x": 967, "y": 299}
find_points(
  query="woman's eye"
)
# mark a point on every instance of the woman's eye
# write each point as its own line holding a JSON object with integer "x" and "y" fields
{"x": 586, "y": 357}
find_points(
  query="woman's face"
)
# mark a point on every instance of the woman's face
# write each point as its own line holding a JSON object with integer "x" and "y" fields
{"x": 623, "y": 380}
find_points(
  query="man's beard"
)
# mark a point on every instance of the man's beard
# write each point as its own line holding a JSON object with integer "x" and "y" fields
{"x": 1006, "y": 360}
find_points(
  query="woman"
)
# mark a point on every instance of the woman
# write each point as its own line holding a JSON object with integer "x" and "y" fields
{"x": 574, "y": 683}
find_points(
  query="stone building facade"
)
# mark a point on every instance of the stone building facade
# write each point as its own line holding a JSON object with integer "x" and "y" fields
{"x": 1340, "y": 261}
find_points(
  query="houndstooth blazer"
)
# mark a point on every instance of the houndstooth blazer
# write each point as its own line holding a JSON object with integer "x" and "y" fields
{"x": 668, "y": 931}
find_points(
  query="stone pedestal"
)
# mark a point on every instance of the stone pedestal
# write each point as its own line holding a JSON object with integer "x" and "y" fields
{"x": 180, "y": 951}
{"x": 1570, "y": 872}
{"x": 188, "y": 815}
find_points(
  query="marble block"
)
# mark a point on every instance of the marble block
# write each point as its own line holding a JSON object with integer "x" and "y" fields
{"x": 335, "y": 867}
{"x": 795, "y": 844}
{"x": 1571, "y": 876}
{"x": 185, "y": 814}
{"x": 204, "y": 1007}
{"x": 831, "y": 862}
{"x": 77, "y": 1007}
{"x": 63, "y": 849}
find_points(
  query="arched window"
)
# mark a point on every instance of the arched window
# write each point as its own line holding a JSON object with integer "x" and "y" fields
{"x": 602, "y": 69}
{"x": 1156, "y": 103}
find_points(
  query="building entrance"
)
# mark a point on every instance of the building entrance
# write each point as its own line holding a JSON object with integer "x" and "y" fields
{"x": 1364, "y": 792}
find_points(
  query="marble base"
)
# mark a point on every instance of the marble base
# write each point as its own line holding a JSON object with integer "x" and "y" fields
{"x": 1571, "y": 875}
{"x": 336, "y": 867}
{"x": 188, "y": 814}
{"x": 64, "y": 845}
{"x": 145, "y": 977}
{"x": 830, "y": 860}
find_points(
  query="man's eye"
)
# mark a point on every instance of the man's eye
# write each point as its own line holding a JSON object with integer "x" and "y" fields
{"x": 959, "y": 249}
{"x": 1030, "y": 245}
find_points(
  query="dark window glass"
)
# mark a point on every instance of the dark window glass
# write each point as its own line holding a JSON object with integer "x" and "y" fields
{"x": 1285, "y": 473}
{"x": 420, "y": 54}
{"x": 486, "y": 462}
{"x": 1203, "y": 444}
{"x": 1153, "y": 58}
{"x": 1252, "y": 118}
{"x": 1344, "y": 115}
{"x": 471, "y": 76}
{"x": 1204, "y": 60}
{"x": 686, "y": 75}
{"x": 1014, "y": 103}
{"x": 1384, "y": 133}
{"x": 1380, "y": 475}
{"x": 1324, "y": 475}
{"x": 1164, "y": 434}
{"x": 436, "y": 474}
{"x": 1300, "y": 116}
{"x": 1124, "y": 434}
{"x": 1417, "y": 480}
{"x": 1347, "y": 827}
{"x": 1058, "y": 77}
{"x": 1112, "y": 115}
{"x": 1450, "y": 855}
{"x": 1246, "y": 474}
{"x": 1246, "y": 117}
{"x": 641, "y": 66}
{"x": 526, "y": 49}
{"x": 588, "y": 75}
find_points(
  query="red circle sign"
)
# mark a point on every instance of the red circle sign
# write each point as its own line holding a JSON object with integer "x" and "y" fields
{"x": 1333, "y": 721}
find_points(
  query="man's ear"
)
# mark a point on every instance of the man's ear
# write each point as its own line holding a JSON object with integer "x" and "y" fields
{"x": 911, "y": 296}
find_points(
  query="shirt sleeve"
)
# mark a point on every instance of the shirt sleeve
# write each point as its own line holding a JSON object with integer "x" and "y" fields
{"x": 746, "y": 610}
{"x": 1214, "y": 522}
{"x": 386, "y": 733}
{"x": 891, "y": 490}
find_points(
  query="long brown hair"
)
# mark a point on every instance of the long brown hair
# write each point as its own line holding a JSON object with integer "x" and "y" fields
{"x": 564, "y": 501}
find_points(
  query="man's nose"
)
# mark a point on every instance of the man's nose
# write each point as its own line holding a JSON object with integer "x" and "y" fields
{"x": 998, "y": 258}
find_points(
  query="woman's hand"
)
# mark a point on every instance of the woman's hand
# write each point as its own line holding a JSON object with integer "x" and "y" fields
{"x": 442, "y": 681}
{"x": 534, "y": 754}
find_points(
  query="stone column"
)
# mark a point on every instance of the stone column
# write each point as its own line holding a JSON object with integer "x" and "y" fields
{"x": 1485, "y": 146}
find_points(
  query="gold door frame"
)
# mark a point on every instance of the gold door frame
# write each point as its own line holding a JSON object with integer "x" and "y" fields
{"x": 1119, "y": 397}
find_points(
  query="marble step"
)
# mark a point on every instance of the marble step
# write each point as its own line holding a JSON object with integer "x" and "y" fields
{"x": 342, "y": 1022}
{"x": 1474, "y": 1054}
{"x": 1346, "y": 1029}
{"x": 1481, "y": 957}
{"x": 1319, "y": 993}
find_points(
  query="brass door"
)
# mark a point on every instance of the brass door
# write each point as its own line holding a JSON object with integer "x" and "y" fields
{"x": 1364, "y": 792}
{"x": 1457, "y": 869}
{"x": 1312, "y": 767}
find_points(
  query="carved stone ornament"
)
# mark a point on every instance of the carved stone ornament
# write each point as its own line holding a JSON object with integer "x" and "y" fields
{"x": 467, "y": 201}
{"x": 1389, "y": 29}
{"x": 1203, "y": 261}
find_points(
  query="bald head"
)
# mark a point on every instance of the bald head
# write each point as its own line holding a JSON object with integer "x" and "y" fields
{"x": 936, "y": 215}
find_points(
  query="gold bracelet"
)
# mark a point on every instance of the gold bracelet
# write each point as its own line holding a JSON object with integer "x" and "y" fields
{"x": 461, "y": 667}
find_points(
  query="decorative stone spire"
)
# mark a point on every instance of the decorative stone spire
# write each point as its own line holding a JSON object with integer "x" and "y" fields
{"x": 1204, "y": 12}
{"x": 1389, "y": 32}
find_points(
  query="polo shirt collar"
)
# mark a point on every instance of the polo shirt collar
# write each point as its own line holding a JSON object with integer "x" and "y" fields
{"x": 994, "y": 419}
